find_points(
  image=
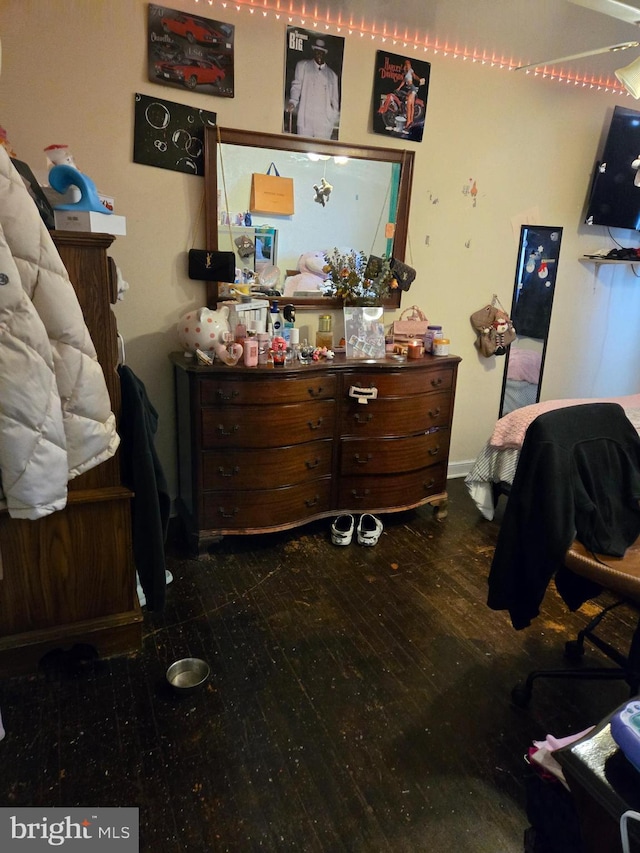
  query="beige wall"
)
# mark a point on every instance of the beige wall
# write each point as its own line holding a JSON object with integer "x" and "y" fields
{"x": 70, "y": 69}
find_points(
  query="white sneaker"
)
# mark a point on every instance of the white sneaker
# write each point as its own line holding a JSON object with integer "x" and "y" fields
{"x": 342, "y": 530}
{"x": 369, "y": 529}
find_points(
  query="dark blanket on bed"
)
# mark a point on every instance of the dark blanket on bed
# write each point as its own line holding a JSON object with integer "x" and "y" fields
{"x": 578, "y": 476}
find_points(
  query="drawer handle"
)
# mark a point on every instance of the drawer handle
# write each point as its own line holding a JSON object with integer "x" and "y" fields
{"x": 312, "y": 463}
{"x": 309, "y": 502}
{"x": 362, "y": 460}
{"x": 360, "y": 496}
{"x": 223, "y": 396}
{"x": 429, "y": 484}
{"x": 436, "y": 382}
{"x": 317, "y": 424}
{"x": 434, "y": 413}
{"x": 224, "y": 431}
{"x": 315, "y": 392}
{"x": 434, "y": 450}
{"x": 362, "y": 419}
{"x": 224, "y": 514}
{"x": 231, "y": 473}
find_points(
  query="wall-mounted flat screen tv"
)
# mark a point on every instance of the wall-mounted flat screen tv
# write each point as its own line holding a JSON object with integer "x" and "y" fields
{"x": 615, "y": 190}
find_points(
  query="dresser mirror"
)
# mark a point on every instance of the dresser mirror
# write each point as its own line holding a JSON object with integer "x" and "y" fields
{"x": 366, "y": 208}
{"x": 536, "y": 271}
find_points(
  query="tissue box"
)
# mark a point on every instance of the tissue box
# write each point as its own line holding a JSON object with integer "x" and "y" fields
{"x": 90, "y": 220}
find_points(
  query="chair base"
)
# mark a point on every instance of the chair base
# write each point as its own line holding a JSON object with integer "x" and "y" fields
{"x": 626, "y": 669}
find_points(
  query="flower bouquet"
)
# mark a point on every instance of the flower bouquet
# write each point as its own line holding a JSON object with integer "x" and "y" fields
{"x": 358, "y": 279}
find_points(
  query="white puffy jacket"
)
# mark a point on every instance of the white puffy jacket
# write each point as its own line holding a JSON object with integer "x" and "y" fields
{"x": 55, "y": 414}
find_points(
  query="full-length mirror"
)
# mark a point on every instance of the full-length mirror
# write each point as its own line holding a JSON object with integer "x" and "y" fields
{"x": 536, "y": 272}
{"x": 344, "y": 196}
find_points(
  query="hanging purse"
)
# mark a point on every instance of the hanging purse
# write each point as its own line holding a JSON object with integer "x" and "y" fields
{"x": 494, "y": 329}
{"x": 205, "y": 265}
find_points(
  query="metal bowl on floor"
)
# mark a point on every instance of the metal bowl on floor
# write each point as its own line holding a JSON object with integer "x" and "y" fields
{"x": 187, "y": 674}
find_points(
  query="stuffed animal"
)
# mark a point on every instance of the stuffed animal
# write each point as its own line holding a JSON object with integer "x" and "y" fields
{"x": 323, "y": 191}
{"x": 311, "y": 275}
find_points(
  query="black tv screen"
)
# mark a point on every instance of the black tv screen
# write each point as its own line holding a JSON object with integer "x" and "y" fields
{"x": 615, "y": 197}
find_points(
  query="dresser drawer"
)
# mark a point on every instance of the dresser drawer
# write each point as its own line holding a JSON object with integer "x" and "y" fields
{"x": 401, "y": 383}
{"x": 388, "y": 492}
{"x": 251, "y": 510}
{"x": 266, "y": 468}
{"x": 260, "y": 389}
{"x": 393, "y": 455}
{"x": 399, "y": 417}
{"x": 267, "y": 426}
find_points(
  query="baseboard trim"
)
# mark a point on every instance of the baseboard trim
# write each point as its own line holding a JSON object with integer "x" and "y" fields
{"x": 459, "y": 469}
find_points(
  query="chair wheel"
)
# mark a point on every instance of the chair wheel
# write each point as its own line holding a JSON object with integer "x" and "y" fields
{"x": 573, "y": 650}
{"x": 521, "y": 695}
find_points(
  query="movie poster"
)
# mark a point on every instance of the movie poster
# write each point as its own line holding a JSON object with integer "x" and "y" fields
{"x": 190, "y": 52}
{"x": 400, "y": 89}
{"x": 313, "y": 83}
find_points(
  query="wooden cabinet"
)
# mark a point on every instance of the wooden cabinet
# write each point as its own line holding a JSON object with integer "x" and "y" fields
{"x": 265, "y": 449}
{"x": 69, "y": 577}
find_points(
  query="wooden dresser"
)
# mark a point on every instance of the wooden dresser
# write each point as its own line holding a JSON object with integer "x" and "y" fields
{"x": 69, "y": 577}
{"x": 266, "y": 449}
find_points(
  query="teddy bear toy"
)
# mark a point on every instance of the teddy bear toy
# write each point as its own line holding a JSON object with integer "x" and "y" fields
{"x": 311, "y": 276}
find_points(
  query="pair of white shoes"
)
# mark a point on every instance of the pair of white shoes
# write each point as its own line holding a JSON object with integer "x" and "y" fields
{"x": 367, "y": 533}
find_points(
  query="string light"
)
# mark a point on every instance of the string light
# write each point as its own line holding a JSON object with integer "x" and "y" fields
{"x": 304, "y": 18}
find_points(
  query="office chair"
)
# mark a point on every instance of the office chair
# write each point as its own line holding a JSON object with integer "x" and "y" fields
{"x": 621, "y": 576}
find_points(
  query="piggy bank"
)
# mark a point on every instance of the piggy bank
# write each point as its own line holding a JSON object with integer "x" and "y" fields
{"x": 203, "y": 329}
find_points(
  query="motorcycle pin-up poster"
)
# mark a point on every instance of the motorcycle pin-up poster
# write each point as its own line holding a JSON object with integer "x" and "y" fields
{"x": 400, "y": 89}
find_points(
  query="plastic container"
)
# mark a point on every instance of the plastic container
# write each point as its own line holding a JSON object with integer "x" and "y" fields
{"x": 441, "y": 346}
{"x": 431, "y": 333}
{"x": 250, "y": 347}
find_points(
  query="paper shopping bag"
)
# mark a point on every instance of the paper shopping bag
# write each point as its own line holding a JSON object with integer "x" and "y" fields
{"x": 271, "y": 193}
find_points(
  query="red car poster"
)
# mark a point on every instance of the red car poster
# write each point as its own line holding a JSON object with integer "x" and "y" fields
{"x": 400, "y": 89}
{"x": 190, "y": 52}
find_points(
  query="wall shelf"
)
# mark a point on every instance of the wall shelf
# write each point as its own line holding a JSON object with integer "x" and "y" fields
{"x": 590, "y": 259}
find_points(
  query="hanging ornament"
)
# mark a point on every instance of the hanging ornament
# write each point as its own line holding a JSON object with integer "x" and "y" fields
{"x": 323, "y": 191}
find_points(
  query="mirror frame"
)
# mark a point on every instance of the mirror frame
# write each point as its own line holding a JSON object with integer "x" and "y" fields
{"x": 554, "y": 258}
{"x": 230, "y": 136}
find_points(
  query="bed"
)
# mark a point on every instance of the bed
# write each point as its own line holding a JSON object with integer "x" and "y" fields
{"x": 494, "y": 468}
{"x": 523, "y": 379}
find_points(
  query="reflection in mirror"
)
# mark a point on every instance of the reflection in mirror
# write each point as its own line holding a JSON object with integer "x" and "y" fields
{"x": 536, "y": 273}
{"x": 366, "y": 208}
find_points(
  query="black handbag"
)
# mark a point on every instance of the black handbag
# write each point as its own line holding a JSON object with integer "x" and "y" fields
{"x": 205, "y": 265}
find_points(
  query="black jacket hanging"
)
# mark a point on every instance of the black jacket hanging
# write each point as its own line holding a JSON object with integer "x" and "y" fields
{"x": 143, "y": 474}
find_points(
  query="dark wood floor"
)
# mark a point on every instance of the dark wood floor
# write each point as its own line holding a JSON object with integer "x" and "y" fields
{"x": 359, "y": 700}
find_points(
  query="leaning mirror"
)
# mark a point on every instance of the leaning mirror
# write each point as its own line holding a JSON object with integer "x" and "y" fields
{"x": 366, "y": 208}
{"x": 536, "y": 272}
